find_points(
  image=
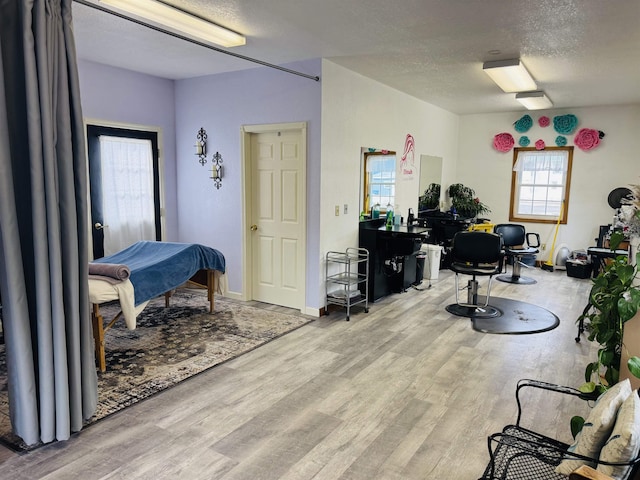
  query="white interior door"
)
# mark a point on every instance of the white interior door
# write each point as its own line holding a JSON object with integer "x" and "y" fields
{"x": 277, "y": 217}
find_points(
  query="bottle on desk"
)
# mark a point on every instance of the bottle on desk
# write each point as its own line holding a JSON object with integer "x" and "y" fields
{"x": 410, "y": 218}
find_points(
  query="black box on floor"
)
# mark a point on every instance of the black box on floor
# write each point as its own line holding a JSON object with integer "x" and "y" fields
{"x": 578, "y": 269}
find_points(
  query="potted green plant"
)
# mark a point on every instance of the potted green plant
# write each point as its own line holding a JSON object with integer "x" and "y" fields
{"x": 465, "y": 201}
{"x": 614, "y": 299}
{"x": 431, "y": 198}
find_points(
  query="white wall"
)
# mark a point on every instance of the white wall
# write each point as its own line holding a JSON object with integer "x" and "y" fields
{"x": 359, "y": 112}
{"x": 613, "y": 163}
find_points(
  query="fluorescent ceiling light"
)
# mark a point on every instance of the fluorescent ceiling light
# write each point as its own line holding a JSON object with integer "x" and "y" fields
{"x": 178, "y": 21}
{"x": 510, "y": 75}
{"x": 534, "y": 100}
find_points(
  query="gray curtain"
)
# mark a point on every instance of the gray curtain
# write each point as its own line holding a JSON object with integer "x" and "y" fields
{"x": 43, "y": 217}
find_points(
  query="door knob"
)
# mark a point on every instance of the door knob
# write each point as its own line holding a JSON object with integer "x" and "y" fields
{"x": 99, "y": 226}
{"x": 254, "y": 228}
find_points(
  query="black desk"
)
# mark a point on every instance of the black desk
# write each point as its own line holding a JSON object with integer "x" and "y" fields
{"x": 387, "y": 249}
{"x": 406, "y": 229}
{"x": 598, "y": 256}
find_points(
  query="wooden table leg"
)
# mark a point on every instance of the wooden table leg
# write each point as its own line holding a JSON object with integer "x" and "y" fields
{"x": 98, "y": 337}
{"x": 211, "y": 287}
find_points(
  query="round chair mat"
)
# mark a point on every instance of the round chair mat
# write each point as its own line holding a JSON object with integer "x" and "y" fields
{"x": 517, "y": 318}
{"x": 518, "y": 280}
{"x": 473, "y": 312}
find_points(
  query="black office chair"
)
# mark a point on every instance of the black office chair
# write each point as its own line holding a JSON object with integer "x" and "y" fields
{"x": 475, "y": 253}
{"x": 517, "y": 243}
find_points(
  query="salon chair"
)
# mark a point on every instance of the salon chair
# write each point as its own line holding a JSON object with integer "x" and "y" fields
{"x": 475, "y": 253}
{"x": 517, "y": 243}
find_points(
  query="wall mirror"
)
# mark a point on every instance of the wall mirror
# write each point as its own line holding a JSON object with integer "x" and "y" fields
{"x": 378, "y": 179}
{"x": 430, "y": 174}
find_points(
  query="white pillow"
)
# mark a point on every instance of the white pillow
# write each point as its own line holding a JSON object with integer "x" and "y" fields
{"x": 597, "y": 427}
{"x": 624, "y": 443}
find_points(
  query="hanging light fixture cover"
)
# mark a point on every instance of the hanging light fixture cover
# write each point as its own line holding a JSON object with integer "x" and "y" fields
{"x": 534, "y": 100}
{"x": 177, "y": 21}
{"x": 510, "y": 75}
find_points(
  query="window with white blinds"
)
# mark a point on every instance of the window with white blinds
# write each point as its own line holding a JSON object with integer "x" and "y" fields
{"x": 540, "y": 184}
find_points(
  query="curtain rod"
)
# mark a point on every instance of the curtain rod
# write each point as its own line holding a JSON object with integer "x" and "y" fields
{"x": 196, "y": 42}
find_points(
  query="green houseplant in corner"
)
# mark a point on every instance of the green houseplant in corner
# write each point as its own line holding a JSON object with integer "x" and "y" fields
{"x": 614, "y": 299}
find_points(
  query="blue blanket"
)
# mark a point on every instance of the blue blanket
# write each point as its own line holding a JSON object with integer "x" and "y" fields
{"x": 157, "y": 267}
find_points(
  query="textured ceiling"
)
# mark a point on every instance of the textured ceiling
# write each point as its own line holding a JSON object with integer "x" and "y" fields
{"x": 581, "y": 52}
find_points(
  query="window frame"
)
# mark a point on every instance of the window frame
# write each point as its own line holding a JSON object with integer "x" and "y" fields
{"x": 513, "y": 216}
{"x": 366, "y": 200}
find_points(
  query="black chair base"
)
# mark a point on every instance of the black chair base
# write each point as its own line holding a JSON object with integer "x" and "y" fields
{"x": 517, "y": 280}
{"x": 473, "y": 312}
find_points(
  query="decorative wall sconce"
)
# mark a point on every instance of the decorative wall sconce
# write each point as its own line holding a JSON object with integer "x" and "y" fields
{"x": 201, "y": 146}
{"x": 216, "y": 169}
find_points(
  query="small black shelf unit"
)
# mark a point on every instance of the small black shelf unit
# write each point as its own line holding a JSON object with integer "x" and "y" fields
{"x": 349, "y": 285}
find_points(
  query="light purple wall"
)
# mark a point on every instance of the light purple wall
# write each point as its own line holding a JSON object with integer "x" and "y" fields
{"x": 195, "y": 210}
{"x": 221, "y": 104}
{"x": 121, "y": 96}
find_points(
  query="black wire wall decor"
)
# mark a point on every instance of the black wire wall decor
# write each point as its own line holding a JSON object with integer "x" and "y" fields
{"x": 216, "y": 169}
{"x": 201, "y": 146}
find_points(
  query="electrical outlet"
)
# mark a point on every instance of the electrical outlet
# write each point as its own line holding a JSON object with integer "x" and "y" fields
{"x": 346, "y": 208}
{"x": 337, "y": 210}
{"x": 544, "y": 246}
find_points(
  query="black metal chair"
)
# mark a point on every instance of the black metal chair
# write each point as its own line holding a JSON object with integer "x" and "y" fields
{"x": 519, "y": 453}
{"x": 475, "y": 253}
{"x": 517, "y": 243}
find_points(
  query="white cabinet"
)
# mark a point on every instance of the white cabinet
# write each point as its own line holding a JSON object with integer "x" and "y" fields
{"x": 347, "y": 279}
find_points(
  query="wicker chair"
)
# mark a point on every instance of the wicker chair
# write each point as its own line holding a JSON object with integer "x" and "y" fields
{"x": 518, "y": 453}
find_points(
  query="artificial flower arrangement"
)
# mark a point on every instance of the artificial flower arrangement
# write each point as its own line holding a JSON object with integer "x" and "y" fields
{"x": 586, "y": 138}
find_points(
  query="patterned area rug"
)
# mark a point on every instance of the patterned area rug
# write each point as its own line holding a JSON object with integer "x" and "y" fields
{"x": 168, "y": 346}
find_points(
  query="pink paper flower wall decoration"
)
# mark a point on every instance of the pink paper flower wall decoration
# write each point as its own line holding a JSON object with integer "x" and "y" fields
{"x": 503, "y": 142}
{"x": 540, "y": 144}
{"x": 587, "y": 138}
{"x": 544, "y": 121}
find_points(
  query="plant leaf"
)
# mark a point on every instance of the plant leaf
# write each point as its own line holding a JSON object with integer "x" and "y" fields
{"x": 626, "y": 309}
{"x": 587, "y": 387}
{"x": 577, "y": 423}
{"x": 612, "y": 376}
{"x": 616, "y": 238}
{"x": 634, "y": 366}
{"x": 591, "y": 367}
{"x": 626, "y": 273}
{"x": 607, "y": 358}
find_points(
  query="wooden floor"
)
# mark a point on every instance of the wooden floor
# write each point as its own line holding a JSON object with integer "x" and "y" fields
{"x": 406, "y": 391}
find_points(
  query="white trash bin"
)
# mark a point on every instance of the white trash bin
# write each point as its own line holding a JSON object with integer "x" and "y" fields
{"x": 432, "y": 262}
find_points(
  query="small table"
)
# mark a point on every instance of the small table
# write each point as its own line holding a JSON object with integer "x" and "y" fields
{"x": 599, "y": 254}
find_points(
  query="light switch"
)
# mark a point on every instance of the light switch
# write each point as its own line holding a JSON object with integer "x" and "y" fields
{"x": 346, "y": 208}
{"x": 337, "y": 210}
